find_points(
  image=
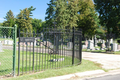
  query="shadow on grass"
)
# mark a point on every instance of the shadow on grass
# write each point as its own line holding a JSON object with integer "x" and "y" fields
{"x": 5, "y": 70}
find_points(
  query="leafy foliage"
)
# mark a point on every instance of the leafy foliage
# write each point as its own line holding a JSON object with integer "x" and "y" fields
{"x": 50, "y": 13}
{"x": 1, "y": 24}
{"x": 109, "y": 14}
{"x": 24, "y": 19}
{"x": 10, "y": 20}
{"x": 63, "y": 13}
{"x": 73, "y": 13}
{"x": 37, "y": 25}
{"x": 88, "y": 19}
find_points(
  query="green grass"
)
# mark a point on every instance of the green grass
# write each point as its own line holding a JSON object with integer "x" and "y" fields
{"x": 41, "y": 61}
{"x": 6, "y": 62}
{"x": 85, "y": 66}
{"x": 117, "y": 52}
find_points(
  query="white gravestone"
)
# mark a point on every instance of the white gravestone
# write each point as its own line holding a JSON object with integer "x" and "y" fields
{"x": 70, "y": 45}
{"x": 10, "y": 42}
{"x": 111, "y": 40}
{"x": 84, "y": 47}
{"x": 6, "y": 42}
{"x": 115, "y": 47}
{"x": 90, "y": 45}
{"x": 95, "y": 41}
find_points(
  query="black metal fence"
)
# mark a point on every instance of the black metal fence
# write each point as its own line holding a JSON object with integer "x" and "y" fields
{"x": 52, "y": 48}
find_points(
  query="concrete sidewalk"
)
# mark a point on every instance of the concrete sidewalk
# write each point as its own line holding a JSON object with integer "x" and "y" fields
{"x": 81, "y": 74}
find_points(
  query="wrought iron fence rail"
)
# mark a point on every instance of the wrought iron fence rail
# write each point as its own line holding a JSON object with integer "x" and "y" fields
{"x": 48, "y": 51}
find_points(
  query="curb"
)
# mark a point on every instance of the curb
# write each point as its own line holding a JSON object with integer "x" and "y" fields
{"x": 111, "y": 72}
{"x": 80, "y": 74}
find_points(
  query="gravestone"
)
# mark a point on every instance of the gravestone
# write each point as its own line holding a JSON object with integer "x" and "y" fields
{"x": 86, "y": 43}
{"x": 111, "y": 46}
{"x": 95, "y": 41}
{"x": 5, "y": 41}
{"x": 84, "y": 47}
{"x": 106, "y": 44}
{"x": 119, "y": 47}
{"x": 111, "y": 40}
{"x": 51, "y": 46}
{"x": 70, "y": 45}
{"x": 90, "y": 45}
{"x": 114, "y": 47}
{"x": 35, "y": 42}
{"x": 41, "y": 44}
{"x": 103, "y": 45}
{"x": 99, "y": 40}
{"x": 5, "y": 37}
{"x": 9, "y": 42}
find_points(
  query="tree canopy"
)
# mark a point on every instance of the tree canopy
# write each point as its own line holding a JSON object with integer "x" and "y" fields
{"x": 37, "y": 25}
{"x": 63, "y": 13}
{"x": 109, "y": 14}
{"x": 24, "y": 19}
{"x": 73, "y": 13}
{"x": 87, "y": 17}
{"x": 10, "y": 20}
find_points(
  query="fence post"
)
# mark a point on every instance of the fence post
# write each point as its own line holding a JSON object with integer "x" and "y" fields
{"x": 73, "y": 45}
{"x": 14, "y": 48}
{"x": 19, "y": 54}
{"x": 33, "y": 53}
{"x": 80, "y": 46}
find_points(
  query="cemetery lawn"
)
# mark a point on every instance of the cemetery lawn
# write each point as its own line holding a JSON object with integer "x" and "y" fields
{"x": 41, "y": 61}
{"x": 117, "y": 52}
{"x": 85, "y": 66}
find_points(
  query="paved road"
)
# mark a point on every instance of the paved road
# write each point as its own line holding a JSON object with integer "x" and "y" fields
{"x": 108, "y": 77}
{"x": 43, "y": 50}
{"x": 108, "y": 61}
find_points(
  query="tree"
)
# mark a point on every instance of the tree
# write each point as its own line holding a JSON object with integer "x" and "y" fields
{"x": 109, "y": 14}
{"x": 87, "y": 17}
{"x": 50, "y": 13}
{"x": 100, "y": 32}
{"x": 73, "y": 13}
{"x": 24, "y": 20}
{"x": 37, "y": 25}
{"x": 1, "y": 24}
{"x": 10, "y": 20}
{"x": 63, "y": 13}
{"x": 61, "y": 16}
